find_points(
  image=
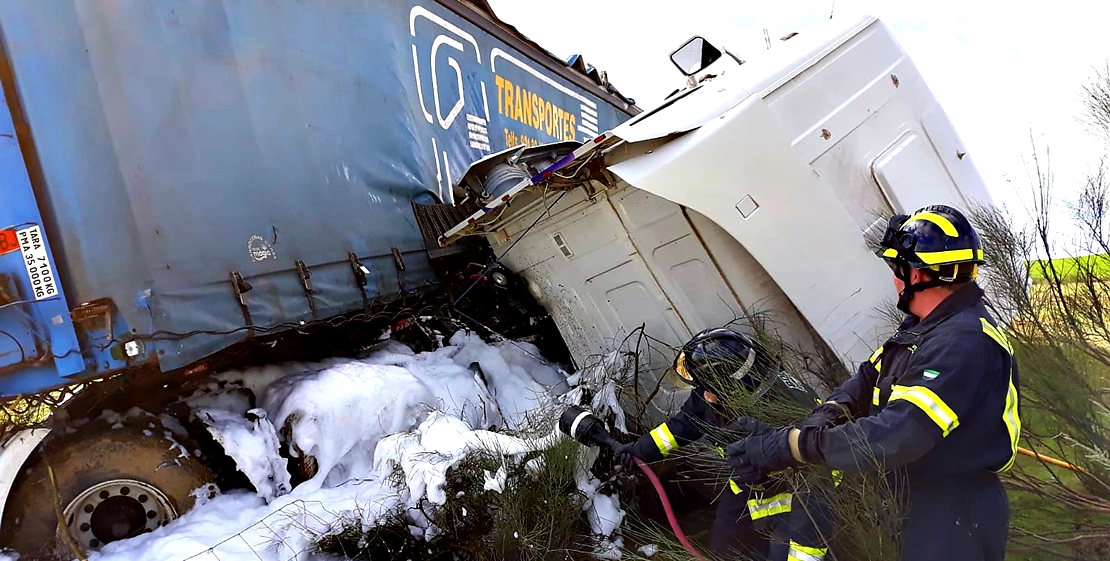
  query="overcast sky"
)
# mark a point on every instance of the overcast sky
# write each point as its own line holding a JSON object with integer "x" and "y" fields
{"x": 998, "y": 71}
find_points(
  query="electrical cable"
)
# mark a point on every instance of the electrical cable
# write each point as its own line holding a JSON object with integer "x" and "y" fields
{"x": 497, "y": 261}
{"x": 22, "y": 352}
{"x": 333, "y": 322}
{"x": 538, "y": 358}
{"x": 21, "y": 302}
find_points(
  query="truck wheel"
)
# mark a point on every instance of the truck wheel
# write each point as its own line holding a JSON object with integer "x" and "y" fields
{"x": 112, "y": 485}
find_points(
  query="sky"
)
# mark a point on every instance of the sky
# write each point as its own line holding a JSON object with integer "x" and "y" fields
{"x": 1005, "y": 72}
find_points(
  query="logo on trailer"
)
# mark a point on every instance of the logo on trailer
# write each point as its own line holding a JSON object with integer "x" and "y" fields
{"x": 260, "y": 249}
{"x": 483, "y": 108}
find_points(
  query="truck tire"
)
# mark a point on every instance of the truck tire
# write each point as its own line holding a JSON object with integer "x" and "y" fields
{"x": 112, "y": 484}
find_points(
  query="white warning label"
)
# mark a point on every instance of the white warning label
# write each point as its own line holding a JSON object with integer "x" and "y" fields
{"x": 44, "y": 283}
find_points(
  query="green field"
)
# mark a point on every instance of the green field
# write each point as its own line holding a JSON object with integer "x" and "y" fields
{"x": 1069, "y": 268}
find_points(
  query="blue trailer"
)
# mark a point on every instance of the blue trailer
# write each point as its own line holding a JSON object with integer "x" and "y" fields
{"x": 177, "y": 178}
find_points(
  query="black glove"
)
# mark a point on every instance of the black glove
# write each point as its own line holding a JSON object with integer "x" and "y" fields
{"x": 742, "y": 471}
{"x": 625, "y": 456}
{"x": 828, "y": 414}
{"x": 765, "y": 452}
{"x": 747, "y": 426}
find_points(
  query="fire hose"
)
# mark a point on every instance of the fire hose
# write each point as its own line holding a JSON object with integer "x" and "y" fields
{"x": 586, "y": 428}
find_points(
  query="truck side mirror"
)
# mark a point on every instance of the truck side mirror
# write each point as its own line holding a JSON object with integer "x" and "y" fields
{"x": 695, "y": 55}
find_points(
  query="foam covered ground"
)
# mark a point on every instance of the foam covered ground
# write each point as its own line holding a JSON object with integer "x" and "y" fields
{"x": 360, "y": 419}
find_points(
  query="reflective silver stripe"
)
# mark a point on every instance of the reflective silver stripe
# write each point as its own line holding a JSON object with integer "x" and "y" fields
{"x": 574, "y": 425}
{"x": 762, "y": 508}
{"x": 796, "y": 555}
{"x": 743, "y": 371}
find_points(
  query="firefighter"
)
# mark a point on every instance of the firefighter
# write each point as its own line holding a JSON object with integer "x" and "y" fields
{"x": 936, "y": 405}
{"x": 717, "y": 362}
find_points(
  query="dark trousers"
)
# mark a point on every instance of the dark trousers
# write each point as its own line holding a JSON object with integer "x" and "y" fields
{"x": 733, "y": 530}
{"x": 964, "y": 519}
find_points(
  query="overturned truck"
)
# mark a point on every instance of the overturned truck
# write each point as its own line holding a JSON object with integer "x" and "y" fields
{"x": 751, "y": 192}
{"x": 233, "y": 185}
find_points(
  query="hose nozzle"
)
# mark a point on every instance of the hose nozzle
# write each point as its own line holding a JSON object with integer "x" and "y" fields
{"x": 583, "y": 426}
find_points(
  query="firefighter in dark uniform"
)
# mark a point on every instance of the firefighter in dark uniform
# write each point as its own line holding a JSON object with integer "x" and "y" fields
{"x": 716, "y": 362}
{"x": 936, "y": 406}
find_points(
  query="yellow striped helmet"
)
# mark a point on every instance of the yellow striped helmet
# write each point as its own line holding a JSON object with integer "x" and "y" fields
{"x": 936, "y": 238}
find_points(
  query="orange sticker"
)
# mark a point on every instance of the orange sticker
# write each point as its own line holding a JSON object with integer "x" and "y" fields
{"x": 8, "y": 241}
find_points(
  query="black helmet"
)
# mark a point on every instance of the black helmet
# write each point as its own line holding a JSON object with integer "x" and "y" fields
{"x": 719, "y": 360}
{"x": 937, "y": 239}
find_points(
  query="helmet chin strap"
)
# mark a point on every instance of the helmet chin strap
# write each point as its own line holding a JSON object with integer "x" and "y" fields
{"x": 902, "y": 272}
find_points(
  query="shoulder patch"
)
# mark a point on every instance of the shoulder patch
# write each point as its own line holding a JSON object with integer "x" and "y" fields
{"x": 930, "y": 374}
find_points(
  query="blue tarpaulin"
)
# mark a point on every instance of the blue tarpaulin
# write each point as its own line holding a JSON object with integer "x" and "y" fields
{"x": 177, "y": 142}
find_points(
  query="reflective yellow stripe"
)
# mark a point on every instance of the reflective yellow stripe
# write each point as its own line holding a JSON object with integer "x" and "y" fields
{"x": 802, "y": 553}
{"x": 876, "y": 358}
{"x": 951, "y": 256}
{"x": 945, "y": 224}
{"x": 1012, "y": 420}
{"x": 735, "y": 488}
{"x": 762, "y": 508}
{"x": 875, "y": 396}
{"x": 1010, "y": 416}
{"x": 890, "y": 253}
{"x": 930, "y": 403}
{"x": 837, "y": 476}
{"x": 664, "y": 440}
{"x": 997, "y": 334}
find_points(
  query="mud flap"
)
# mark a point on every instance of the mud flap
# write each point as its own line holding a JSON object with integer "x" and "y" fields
{"x": 251, "y": 441}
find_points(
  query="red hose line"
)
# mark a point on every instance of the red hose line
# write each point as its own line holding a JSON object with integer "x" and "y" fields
{"x": 670, "y": 512}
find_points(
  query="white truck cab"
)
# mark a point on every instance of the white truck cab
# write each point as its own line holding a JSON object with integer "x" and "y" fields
{"x": 752, "y": 190}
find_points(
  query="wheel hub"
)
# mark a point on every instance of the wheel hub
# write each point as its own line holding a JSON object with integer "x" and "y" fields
{"x": 115, "y": 510}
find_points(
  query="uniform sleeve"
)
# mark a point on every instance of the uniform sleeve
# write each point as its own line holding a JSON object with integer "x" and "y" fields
{"x": 942, "y": 382}
{"x": 856, "y": 393}
{"x": 680, "y": 430}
